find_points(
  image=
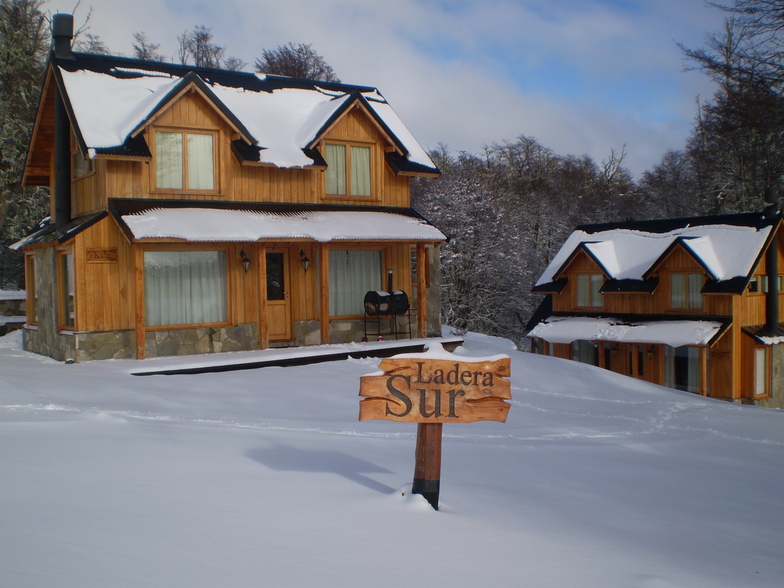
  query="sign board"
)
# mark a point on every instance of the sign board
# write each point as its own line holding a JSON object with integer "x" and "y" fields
{"x": 422, "y": 389}
{"x": 102, "y": 255}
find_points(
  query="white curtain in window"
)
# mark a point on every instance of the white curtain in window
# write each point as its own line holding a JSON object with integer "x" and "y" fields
{"x": 678, "y": 290}
{"x": 682, "y": 368}
{"x": 597, "y": 298}
{"x": 695, "y": 285}
{"x": 168, "y": 160}
{"x": 585, "y": 352}
{"x": 352, "y": 274}
{"x": 583, "y": 290}
{"x": 201, "y": 166}
{"x": 335, "y": 156}
{"x": 760, "y": 371}
{"x": 184, "y": 287}
{"x": 360, "y": 171}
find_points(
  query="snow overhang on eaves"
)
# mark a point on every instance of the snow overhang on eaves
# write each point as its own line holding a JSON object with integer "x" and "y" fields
{"x": 675, "y": 333}
{"x": 244, "y": 223}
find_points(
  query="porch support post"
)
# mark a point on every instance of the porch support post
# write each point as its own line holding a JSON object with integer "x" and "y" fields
{"x": 421, "y": 260}
{"x": 703, "y": 371}
{"x": 324, "y": 289}
{"x": 138, "y": 282}
{"x": 263, "y": 322}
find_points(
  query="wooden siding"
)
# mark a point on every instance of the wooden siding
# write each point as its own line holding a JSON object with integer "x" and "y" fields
{"x": 104, "y": 291}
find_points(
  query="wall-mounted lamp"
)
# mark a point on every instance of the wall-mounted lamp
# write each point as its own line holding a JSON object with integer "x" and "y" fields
{"x": 650, "y": 352}
{"x": 245, "y": 261}
{"x": 614, "y": 350}
{"x": 304, "y": 259}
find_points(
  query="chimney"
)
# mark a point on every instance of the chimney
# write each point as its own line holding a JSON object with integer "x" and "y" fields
{"x": 62, "y": 35}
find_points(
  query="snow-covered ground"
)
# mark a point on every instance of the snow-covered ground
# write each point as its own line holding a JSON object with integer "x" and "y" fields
{"x": 266, "y": 478}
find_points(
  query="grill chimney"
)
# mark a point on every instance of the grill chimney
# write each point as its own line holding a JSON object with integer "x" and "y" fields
{"x": 62, "y": 35}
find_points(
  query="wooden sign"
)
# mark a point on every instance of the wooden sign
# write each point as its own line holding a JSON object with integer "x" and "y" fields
{"x": 102, "y": 255}
{"x": 430, "y": 390}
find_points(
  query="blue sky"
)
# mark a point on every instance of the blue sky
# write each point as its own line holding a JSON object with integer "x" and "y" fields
{"x": 583, "y": 77}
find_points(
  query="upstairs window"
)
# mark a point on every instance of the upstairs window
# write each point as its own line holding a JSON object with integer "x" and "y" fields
{"x": 348, "y": 169}
{"x": 184, "y": 161}
{"x": 80, "y": 166}
{"x": 685, "y": 291}
{"x": 589, "y": 290}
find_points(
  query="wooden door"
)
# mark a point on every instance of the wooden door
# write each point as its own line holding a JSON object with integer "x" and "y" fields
{"x": 278, "y": 299}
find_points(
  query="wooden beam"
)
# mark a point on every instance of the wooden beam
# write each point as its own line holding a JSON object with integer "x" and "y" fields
{"x": 324, "y": 291}
{"x": 138, "y": 268}
{"x": 421, "y": 261}
{"x": 703, "y": 371}
{"x": 261, "y": 252}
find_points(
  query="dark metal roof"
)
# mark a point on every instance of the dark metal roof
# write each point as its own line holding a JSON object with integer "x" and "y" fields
{"x": 133, "y": 147}
{"x": 128, "y": 67}
{"x": 402, "y": 165}
{"x": 630, "y": 286}
{"x": 759, "y": 332}
{"x": 49, "y": 233}
{"x": 555, "y": 287}
{"x": 748, "y": 219}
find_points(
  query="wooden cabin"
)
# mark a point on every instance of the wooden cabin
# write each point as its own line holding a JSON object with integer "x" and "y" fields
{"x": 199, "y": 210}
{"x": 693, "y": 304}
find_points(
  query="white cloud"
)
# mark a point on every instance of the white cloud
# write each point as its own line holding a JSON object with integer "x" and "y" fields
{"x": 581, "y": 77}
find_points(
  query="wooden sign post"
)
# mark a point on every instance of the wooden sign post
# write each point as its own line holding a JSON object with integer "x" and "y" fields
{"x": 431, "y": 389}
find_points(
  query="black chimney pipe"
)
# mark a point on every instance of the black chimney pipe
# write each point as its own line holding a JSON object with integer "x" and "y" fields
{"x": 62, "y": 35}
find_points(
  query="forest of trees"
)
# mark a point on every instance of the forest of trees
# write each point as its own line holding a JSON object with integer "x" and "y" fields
{"x": 506, "y": 210}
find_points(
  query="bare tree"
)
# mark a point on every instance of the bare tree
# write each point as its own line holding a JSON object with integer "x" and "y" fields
{"x": 197, "y": 45}
{"x": 234, "y": 64}
{"x": 143, "y": 49}
{"x": 296, "y": 61}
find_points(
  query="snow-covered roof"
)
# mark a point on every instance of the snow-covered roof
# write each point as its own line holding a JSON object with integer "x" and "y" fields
{"x": 726, "y": 251}
{"x": 674, "y": 333}
{"x": 211, "y": 224}
{"x": 281, "y": 115}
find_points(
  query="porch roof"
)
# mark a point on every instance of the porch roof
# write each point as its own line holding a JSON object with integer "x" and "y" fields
{"x": 191, "y": 221}
{"x": 675, "y": 333}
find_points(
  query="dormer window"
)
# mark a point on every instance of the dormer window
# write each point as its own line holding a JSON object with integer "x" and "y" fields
{"x": 589, "y": 290}
{"x": 184, "y": 160}
{"x": 348, "y": 169}
{"x": 685, "y": 290}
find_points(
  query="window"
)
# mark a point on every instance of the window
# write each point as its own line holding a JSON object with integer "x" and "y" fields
{"x": 685, "y": 290}
{"x": 185, "y": 287}
{"x": 80, "y": 166}
{"x": 32, "y": 289}
{"x": 760, "y": 371}
{"x": 348, "y": 169}
{"x": 682, "y": 368}
{"x": 65, "y": 281}
{"x": 585, "y": 352}
{"x": 588, "y": 290}
{"x": 352, "y": 274}
{"x": 184, "y": 161}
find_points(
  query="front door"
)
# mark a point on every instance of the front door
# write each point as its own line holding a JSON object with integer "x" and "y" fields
{"x": 278, "y": 301}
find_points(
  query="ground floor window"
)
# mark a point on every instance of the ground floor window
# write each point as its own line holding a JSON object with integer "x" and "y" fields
{"x": 682, "y": 368}
{"x": 65, "y": 281}
{"x": 185, "y": 287}
{"x": 352, "y": 274}
{"x": 585, "y": 352}
{"x": 761, "y": 371}
{"x": 32, "y": 288}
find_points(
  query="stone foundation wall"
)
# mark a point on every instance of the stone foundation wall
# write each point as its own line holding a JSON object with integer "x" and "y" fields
{"x": 776, "y": 399}
{"x": 243, "y": 337}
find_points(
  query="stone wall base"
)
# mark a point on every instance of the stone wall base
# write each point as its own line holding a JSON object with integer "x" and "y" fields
{"x": 243, "y": 337}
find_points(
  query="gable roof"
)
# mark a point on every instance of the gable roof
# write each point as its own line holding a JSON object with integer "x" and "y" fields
{"x": 280, "y": 118}
{"x": 728, "y": 247}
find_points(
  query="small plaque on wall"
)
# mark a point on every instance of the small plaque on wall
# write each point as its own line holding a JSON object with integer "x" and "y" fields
{"x": 102, "y": 255}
